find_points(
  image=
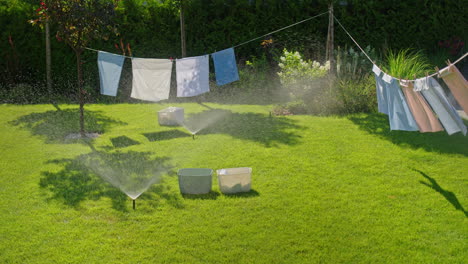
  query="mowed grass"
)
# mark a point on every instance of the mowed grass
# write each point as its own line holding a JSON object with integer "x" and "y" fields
{"x": 324, "y": 189}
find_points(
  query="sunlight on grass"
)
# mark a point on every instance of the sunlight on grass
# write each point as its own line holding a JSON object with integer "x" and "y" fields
{"x": 324, "y": 189}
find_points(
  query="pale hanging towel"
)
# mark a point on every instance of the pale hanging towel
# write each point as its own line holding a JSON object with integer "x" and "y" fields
{"x": 435, "y": 96}
{"x": 151, "y": 79}
{"x": 380, "y": 91}
{"x": 457, "y": 85}
{"x": 422, "y": 112}
{"x": 399, "y": 115}
{"x": 225, "y": 66}
{"x": 192, "y": 76}
{"x": 110, "y": 68}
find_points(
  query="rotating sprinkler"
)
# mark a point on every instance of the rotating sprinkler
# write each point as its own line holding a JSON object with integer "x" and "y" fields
{"x": 134, "y": 204}
{"x": 193, "y": 136}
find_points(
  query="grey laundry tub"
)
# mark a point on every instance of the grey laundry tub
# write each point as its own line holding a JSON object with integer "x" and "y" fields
{"x": 195, "y": 180}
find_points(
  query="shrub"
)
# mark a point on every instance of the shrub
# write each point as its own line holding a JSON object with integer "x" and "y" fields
{"x": 357, "y": 95}
{"x": 406, "y": 64}
{"x": 312, "y": 91}
{"x": 298, "y": 75}
{"x": 355, "y": 85}
{"x": 290, "y": 108}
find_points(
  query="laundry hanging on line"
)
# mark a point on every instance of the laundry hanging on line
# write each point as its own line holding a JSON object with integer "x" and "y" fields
{"x": 151, "y": 79}
{"x": 435, "y": 96}
{"x": 110, "y": 69}
{"x": 457, "y": 85}
{"x": 192, "y": 76}
{"x": 225, "y": 66}
{"x": 380, "y": 91}
{"x": 399, "y": 115}
{"x": 422, "y": 112}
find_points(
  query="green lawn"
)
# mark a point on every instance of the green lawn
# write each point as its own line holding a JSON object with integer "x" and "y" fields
{"x": 325, "y": 189}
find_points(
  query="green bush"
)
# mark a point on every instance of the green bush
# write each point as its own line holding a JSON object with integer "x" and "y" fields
{"x": 406, "y": 64}
{"x": 357, "y": 95}
{"x": 355, "y": 84}
{"x": 299, "y": 76}
{"x": 291, "y": 108}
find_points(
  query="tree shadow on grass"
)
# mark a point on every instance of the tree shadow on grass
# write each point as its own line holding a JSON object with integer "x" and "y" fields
{"x": 102, "y": 174}
{"x": 269, "y": 131}
{"x": 165, "y": 135}
{"x": 448, "y": 195}
{"x": 377, "y": 124}
{"x": 123, "y": 141}
{"x": 54, "y": 126}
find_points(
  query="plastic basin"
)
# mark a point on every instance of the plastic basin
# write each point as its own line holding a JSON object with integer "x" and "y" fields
{"x": 234, "y": 180}
{"x": 195, "y": 180}
{"x": 171, "y": 116}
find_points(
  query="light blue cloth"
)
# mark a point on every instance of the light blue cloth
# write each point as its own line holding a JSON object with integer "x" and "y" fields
{"x": 192, "y": 75}
{"x": 435, "y": 96}
{"x": 225, "y": 66}
{"x": 110, "y": 68}
{"x": 399, "y": 114}
{"x": 380, "y": 91}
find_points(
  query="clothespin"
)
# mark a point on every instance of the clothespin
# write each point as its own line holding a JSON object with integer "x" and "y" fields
{"x": 438, "y": 71}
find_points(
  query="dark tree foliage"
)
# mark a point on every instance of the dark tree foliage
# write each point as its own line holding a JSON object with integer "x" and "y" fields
{"x": 152, "y": 28}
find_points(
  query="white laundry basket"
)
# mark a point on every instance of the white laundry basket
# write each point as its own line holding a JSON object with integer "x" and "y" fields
{"x": 234, "y": 180}
{"x": 171, "y": 116}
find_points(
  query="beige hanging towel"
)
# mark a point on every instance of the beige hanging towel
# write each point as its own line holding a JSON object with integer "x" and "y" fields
{"x": 422, "y": 112}
{"x": 457, "y": 85}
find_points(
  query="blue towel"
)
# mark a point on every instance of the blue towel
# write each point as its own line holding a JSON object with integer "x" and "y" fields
{"x": 225, "y": 66}
{"x": 399, "y": 114}
{"x": 110, "y": 68}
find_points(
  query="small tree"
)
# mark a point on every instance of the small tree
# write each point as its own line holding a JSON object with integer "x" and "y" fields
{"x": 78, "y": 22}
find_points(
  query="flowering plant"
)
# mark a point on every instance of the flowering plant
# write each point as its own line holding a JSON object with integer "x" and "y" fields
{"x": 298, "y": 74}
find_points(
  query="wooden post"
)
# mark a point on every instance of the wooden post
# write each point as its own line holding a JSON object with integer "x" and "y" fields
{"x": 182, "y": 29}
{"x": 330, "y": 39}
{"x": 48, "y": 58}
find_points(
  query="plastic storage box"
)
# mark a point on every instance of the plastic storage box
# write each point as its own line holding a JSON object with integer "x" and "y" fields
{"x": 195, "y": 181}
{"x": 234, "y": 180}
{"x": 171, "y": 116}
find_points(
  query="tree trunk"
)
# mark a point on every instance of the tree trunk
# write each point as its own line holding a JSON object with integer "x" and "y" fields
{"x": 330, "y": 39}
{"x": 80, "y": 90}
{"x": 182, "y": 30}
{"x": 48, "y": 59}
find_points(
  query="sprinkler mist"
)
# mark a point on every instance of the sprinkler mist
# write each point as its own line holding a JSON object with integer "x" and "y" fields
{"x": 131, "y": 172}
{"x": 200, "y": 121}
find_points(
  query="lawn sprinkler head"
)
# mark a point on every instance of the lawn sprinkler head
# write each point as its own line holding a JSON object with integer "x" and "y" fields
{"x": 193, "y": 136}
{"x": 134, "y": 204}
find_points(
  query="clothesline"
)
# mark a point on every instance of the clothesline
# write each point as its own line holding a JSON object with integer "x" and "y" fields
{"x": 368, "y": 57}
{"x": 307, "y": 19}
{"x": 248, "y": 41}
{"x": 278, "y": 30}
{"x": 104, "y": 51}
